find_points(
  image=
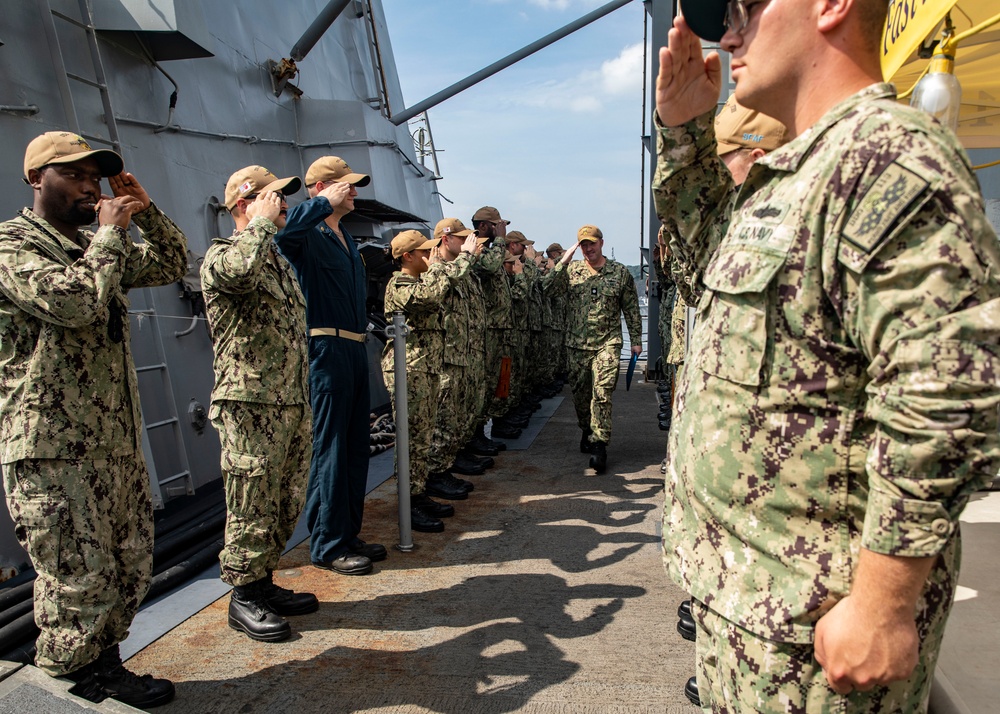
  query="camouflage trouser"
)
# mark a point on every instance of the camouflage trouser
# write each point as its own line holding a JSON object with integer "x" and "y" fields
{"x": 535, "y": 358}
{"x": 667, "y": 298}
{"x": 593, "y": 375}
{"x": 266, "y": 450}
{"x": 88, "y": 528}
{"x": 518, "y": 345}
{"x": 497, "y": 347}
{"x": 553, "y": 348}
{"x": 473, "y": 397}
{"x": 739, "y": 671}
{"x": 448, "y": 426}
{"x": 422, "y": 409}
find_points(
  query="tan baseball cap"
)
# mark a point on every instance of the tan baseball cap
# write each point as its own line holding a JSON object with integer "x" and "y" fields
{"x": 508, "y": 257}
{"x": 554, "y": 247}
{"x": 411, "y": 240}
{"x": 65, "y": 147}
{"x": 334, "y": 169}
{"x": 488, "y": 213}
{"x": 451, "y": 226}
{"x": 252, "y": 180}
{"x": 518, "y": 237}
{"x": 737, "y": 127}
{"x": 591, "y": 233}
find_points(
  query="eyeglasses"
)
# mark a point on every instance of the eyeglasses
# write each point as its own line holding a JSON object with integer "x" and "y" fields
{"x": 255, "y": 196}
{"x": 738, "y": 14}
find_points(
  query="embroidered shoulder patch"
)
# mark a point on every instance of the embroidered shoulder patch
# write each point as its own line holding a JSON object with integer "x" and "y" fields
{"x": 882, "y": 204}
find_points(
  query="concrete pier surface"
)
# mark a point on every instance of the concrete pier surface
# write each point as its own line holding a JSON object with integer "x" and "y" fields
{"x": 545, "y": 593}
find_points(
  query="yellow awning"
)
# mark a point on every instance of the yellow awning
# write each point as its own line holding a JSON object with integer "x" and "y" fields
{"x": 977, "y": 58}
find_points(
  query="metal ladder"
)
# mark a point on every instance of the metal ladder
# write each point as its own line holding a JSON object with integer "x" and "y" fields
{"x": 155, "y": 375}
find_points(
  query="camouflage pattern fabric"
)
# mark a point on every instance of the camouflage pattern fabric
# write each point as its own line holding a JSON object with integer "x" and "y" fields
{"x": 678, "y": 330}
{"x": 841, "y": 389}
{"x": 67, "y": 380}
{"x": 739, "y": 671}
{"x": 257, "y": 316}
{"x": 593, "y": 375}
{"x": 668, "y": 298}
{"x": 499, "y": 321}
{"x": 88, "y": 529}
{"x": 266, "y": 450}
{"x": 519, "y": 287}
{"x": 449, "y": 428}
{"x": 70, "y": 425}
{"x": 419, "y": 298}
{"x": 260, "y": 402}
{"x": 595, "y": 302}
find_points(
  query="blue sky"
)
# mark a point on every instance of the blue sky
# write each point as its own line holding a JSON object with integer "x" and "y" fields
{"x": 554, "y": 141}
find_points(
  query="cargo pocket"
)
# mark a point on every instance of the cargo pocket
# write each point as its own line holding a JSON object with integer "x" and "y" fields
{"x": 244, "y": 475}
{"x": 40, "y": 527}
{"x": 734, "y": 320}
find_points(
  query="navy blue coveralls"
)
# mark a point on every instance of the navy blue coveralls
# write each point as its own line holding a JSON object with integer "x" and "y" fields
{"x": 334, "y": 283}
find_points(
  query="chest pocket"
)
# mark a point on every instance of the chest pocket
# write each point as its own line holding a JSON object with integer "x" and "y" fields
{"x": 736, "y": 315}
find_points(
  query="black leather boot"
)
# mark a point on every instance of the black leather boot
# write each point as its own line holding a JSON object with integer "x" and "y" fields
{"x": 585, "y": 446}
{"x": 463, "y": 465}
{"x": 250, "y": 612}
{"x": 599, "y": 460}
{"x": 422, "y": 516}
{"x": 503, "y": 430}
{"x": 442, "y": 486}
{"x": 107, "y": 677}
{"x": 691, "y": 691}
{"x": 487, "y": 462}
{"x": 686, "y": 627}
{"x": 431, "y": 507}
{"x": 285, "y": 602}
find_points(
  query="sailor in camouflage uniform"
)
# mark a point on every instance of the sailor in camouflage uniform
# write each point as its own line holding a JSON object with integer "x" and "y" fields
{"x": 599, "y": 291}
{"x": 260, "y": 402}
{"x": 839, "y": 402}
{"x": 417, "y": 290}
{"x": 458, "y": 399}
{"x": 70, "y": 424}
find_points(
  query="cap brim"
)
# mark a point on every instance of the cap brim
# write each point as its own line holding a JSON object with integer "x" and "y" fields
{"x": 724, "y": 147}
{"x": 287, "y": 186}
{"x": 482, "y": 240}
{"x": 354, "y": 179}
{"x": 432, "y": 243}
{"x": 592, "y": 239}
{"x": 706, "y": 18}
{"x": 110, "y": 163}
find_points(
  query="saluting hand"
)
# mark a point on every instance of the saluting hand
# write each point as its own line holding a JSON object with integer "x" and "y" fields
{"x": 267, "y": 205}
{"x": 471, "y": 244}
{"x": 335, "y": 193}
{"x": 518, "y": 267}
{"x": 125, "y": 184}
{"x": 689, "y": 83}
{"x": 568, "y": 255}
{"x": 435, "y": 256}
{"x": 117, "y": 211}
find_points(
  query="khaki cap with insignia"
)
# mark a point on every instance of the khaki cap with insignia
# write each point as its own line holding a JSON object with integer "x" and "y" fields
{"x": 591, "y": 233}
{"x": 333, "y": 169}
{"x": 518, "y": 237}
{"x": 411, "y": 240}
{"x": 65, "y": 147}
{"x": 452, "y": 227}
{"x": 253, "y": 180}
{"x": 737, "y": 127}
{"x": 488, "y": 213}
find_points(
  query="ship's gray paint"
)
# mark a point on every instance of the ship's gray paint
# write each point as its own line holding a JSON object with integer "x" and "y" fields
{"x": 227, "y": 116}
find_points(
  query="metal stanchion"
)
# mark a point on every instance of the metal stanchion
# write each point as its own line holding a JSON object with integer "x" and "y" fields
{"x": 398, "y": 331}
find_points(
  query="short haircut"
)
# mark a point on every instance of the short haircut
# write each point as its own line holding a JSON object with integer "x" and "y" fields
{"x": 871, "y": 16}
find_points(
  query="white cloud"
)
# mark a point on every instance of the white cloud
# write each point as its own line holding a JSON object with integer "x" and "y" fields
{"x": 585, "y": 93}
{"x": 623, "y": 74}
